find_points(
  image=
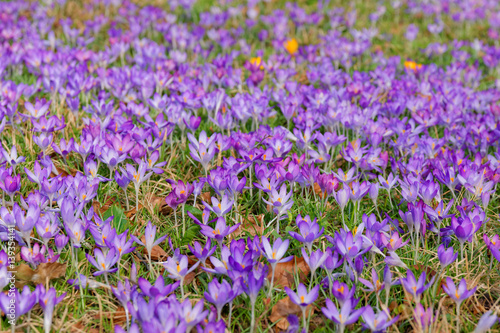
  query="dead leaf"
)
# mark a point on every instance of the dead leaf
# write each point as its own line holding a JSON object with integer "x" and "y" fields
{"x": 284, "y": 275}
{"x": 41, "y": 275}
{"x": 63, "y": 172}
{"x": 119, "y": 316}
{"x": 207, "y": 197}
{"x": 283, "y": 309}
{"x": 101, "y": 209}
{"x": 254, "y": 226}
{"x": 318, "y": 191}
{"x": 153, "y": 202}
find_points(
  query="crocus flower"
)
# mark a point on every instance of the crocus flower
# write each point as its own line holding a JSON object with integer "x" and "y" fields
{"x": 376, "y": 322}
{"x": 280, "y": 201}
{"x": 191, "y": 315}
{"x": 219, "y": 294}
{"x": 104, "y": 262}
{"x": 315, "y": 260}
{"x": 346, "y": 316}
{"x": 414, "y": 287}
{"x": 10, "y": 185}
{"x": 486, "y": 322}
{"x": 303, "y": 298}
{"x": 150, "y": 239}
{"x": 12, "y": 158}
{"x": 24, "y": 302}
{"x": 446, "y": 256}
{"x": 424, "y": 317}
{"x": 220, "y": 208}
{"x": 252, "y": 286}
{"x": 220, "y": 231}
{"x": 48, "y": 301}
{"x": 138, "y": 176}
{"x": 274, "y": 255}
{"x": 38, "y": 110}
{"x": 202, "y": 253}
{"x": 178, "y": 269}
{"x": 158, "y": 289}
{"x": 309, "y": 232}
{"x": 458, "y": 294}
{"x": 373, "y": 285}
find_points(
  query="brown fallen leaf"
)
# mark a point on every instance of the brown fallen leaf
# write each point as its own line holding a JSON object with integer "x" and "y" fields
{"x": 119, "y": 316}
{"x": 254, "y": 226}
{"x": 284, "y": 275}
{"x": 63, "y": 172}
{"x": 153, "y": 202}
{"x": 101, "y": 209}
{"x": 41, "y": 275}
{"x": 207, "y": 197}
{"x": 283, "y": 309}
{"x": 318, "y": 191}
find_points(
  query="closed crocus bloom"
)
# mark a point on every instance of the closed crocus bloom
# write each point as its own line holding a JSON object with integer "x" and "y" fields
{"x": 424, "y": 317}
{"x": 486, "y": 322}
{"x": 48, "y": 300}
{"x": 10, "y": 185}
{"x": 446, "y": 256}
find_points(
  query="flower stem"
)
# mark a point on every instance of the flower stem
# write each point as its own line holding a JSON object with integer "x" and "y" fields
{"x": 269, "y": 294}
{"x": 252, "y": 324}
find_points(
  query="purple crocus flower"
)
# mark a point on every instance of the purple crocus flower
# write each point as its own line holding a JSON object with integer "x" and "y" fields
{"x": 274, "y": 255}
{"x": 376, "y": 322}
{"x": 191, "y": 315}
{"x": 414, "y": 287}
{"x": 150, "y": 239}
{"x": 219, "y": 294}
{"x": 346, "y": 316}
{"x": 424, "y": 317}
{"x": 220, "y": 231}
{"x": 315, "y": 260}
{"x": 252, "y": 286}
{"x": 486, "y": 322}
{"x": 12, "y": 158}
{"x": 10, "y": 185}
{"x": 104, "y": 261}
{"x": 202, "y": 253}
{"x": 38, "y": 110}
{"x": 159, "y": 289}
{"x": 446, "y": 256}
{"x": 309, "y": 232}
{"x": 281, "y": 202}
{"x": 303, "y": 298}
{"x": 220, "y": 208}
{"x": 179, "y": 268}
{"x": 138, "y": 176}
{"x": 24, "y": 302}
{"x": 48, "y": 301}
{"x": 374, "y": 285}
{"x": 458, "y": 294}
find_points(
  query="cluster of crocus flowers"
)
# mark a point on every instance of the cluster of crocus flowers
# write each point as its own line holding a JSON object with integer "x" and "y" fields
{"x": 351, "y": 157}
